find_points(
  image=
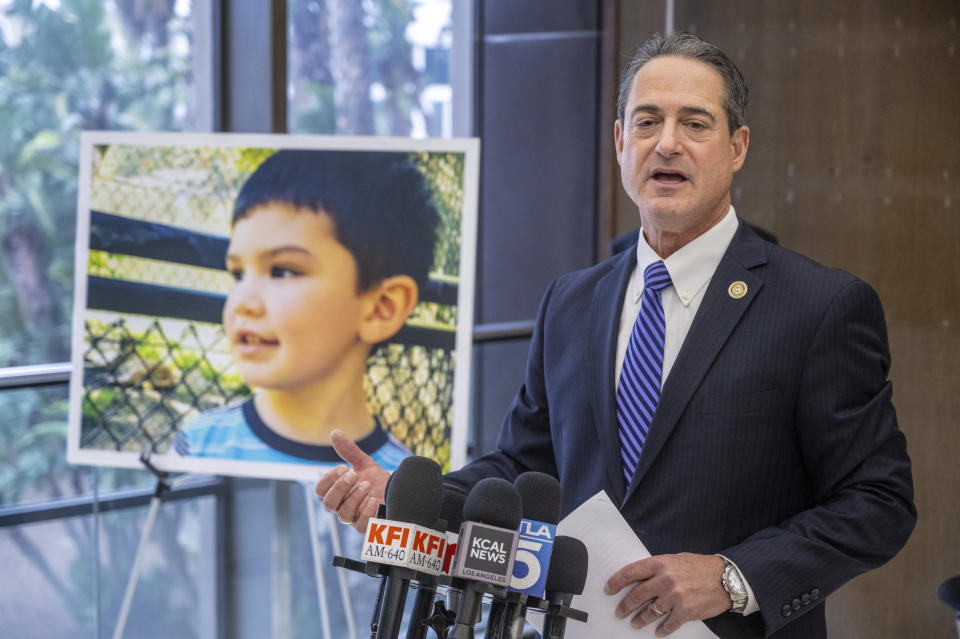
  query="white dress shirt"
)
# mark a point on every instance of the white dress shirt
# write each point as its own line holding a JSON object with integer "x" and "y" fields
{"x": 690, "y": 268}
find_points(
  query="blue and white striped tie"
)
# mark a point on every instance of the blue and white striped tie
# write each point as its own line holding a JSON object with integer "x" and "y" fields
{"x": 639, "y": 390}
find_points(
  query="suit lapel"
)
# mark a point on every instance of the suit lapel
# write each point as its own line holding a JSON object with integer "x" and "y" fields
{"x": 716, "y": 318}
{"x": 604, "y": 326}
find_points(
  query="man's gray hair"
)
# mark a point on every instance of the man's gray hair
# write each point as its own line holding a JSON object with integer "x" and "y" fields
{"x": 687, "y": 45}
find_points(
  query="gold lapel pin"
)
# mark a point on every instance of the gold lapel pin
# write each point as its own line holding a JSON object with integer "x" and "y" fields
{"x": 737, "y": 290}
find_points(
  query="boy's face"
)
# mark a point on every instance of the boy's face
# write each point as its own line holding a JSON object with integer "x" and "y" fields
{"x": 292, "y": 315}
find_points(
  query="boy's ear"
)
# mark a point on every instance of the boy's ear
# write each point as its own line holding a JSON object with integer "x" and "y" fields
{"x": 389, "y": 305}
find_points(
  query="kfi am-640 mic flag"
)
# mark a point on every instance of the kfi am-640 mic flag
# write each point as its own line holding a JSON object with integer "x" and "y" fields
{"x": 451, "y": 516}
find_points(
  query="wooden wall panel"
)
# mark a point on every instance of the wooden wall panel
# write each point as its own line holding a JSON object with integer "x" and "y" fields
{"x": 854, "y": 161}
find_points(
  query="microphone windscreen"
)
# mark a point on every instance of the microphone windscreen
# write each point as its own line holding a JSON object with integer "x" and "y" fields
{"x": 568, "y": 566}
{"x": 495, "y": 502}
{"x": 414, "y": 490}
{"x": 451, "y": 508}
{"x": 540, "y": 496}
{"x": 949, "y": 592}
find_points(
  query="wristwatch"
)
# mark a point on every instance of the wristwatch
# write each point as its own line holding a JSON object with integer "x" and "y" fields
{"x": 732, "y": 582}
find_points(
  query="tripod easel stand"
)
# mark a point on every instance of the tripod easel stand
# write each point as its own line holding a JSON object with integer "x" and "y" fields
{"x": 163, "y": 487}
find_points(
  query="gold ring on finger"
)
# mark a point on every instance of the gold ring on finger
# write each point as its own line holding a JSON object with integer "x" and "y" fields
{"x": 656, "y": 610}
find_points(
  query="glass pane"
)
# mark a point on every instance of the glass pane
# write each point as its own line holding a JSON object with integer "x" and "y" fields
{"x": 53, "y": 578}
{"x": 68, "y": 65}
{"x": 379, "y": 67}
{"x": 304, "y": 607}
{"x": 33, "y": 443}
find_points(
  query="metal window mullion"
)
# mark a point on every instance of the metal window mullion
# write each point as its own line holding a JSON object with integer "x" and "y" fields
{"x": 120, "y": 500}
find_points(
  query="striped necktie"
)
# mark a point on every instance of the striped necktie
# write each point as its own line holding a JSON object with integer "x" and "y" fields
{"x": 639, "y": 388}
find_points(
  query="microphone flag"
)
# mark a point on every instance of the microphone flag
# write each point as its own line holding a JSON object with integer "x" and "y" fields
{"x": 405, "y": 545}
{"x": 534, "y": 547}
{"x": 485, "y": 553}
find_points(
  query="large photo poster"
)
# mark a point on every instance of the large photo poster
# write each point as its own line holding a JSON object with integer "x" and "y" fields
{"x": 238, "y": 297}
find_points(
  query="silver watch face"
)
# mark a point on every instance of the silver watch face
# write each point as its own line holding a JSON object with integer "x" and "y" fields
{"x": 733, "y": 582}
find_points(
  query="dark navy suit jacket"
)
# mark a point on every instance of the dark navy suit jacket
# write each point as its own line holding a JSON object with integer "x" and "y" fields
{"x": 775, "y": 442}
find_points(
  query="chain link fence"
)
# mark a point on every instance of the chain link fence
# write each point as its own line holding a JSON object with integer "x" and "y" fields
{"x": 144, "y": 376}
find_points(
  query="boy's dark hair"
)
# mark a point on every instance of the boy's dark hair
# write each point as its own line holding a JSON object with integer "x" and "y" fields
{"x": 380, "y": 205}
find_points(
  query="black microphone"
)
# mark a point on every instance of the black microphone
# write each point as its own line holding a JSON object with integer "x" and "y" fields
{"x": 398, "y": 542}
{"x": 540, "y": 496}
{"x": 949, "y": 593}
{"x": 422, "y": 609}
{"x": 451, "y": 516}
{"x": 452, "y": 510}
{"x": 485, "y": 553}
{"x": 566, "y": 577}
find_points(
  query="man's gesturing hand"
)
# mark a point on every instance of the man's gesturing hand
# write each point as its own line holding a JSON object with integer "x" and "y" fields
{"x": 686, "y": 586}
{"x": 353, "y": 493}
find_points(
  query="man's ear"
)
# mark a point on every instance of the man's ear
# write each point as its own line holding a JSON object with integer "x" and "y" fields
{"x": 389, "y": 304}
{"x": 618, "y": 139}
{"x": 739, "y": 142}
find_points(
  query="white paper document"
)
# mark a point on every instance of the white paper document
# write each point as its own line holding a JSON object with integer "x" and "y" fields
{"x": 611, "y": 544}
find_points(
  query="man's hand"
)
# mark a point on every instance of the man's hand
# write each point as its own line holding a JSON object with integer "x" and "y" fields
{"x": 353, "y": 494}
{"x": 686, "y": 586}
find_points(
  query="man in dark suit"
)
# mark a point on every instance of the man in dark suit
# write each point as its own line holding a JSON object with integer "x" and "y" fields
{"x": 729, "y": 395}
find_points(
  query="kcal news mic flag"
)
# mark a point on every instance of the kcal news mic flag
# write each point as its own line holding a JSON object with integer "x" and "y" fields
{"x": 485, "y": 553}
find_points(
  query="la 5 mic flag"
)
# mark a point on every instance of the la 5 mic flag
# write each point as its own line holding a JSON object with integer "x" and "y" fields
{"x": 534, "y": 547}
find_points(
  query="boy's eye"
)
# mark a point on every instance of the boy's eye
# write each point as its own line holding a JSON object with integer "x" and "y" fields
{"x": 236, "y": 273}
{"x": 283, "y": 272}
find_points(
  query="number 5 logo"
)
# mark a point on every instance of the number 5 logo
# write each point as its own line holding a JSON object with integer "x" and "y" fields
{"x": 528, "y": 559}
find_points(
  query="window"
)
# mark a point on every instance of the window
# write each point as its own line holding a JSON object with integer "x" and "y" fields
{"x": 377, "y": 67}
{"x": 65, "y": 66}
{"x": 70, "y": 65}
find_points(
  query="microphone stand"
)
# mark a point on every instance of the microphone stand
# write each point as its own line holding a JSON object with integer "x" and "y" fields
{"x": 421, "y": 612}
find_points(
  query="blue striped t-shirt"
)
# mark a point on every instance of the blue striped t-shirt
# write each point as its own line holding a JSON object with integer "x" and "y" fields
{"x": 237, "y": 432}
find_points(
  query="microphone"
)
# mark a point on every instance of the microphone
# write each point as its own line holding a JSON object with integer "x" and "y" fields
{"x": 949, "y": 593}
{"x": 451, "y": 509}
{"x": 426, "y": 593}
{"x": 402, "y": 542}
{"x": 540, "y": 497}
{"x": 485, "y": 553}
{"x": 566, "y": 577}
{"x": 451, "y": 516}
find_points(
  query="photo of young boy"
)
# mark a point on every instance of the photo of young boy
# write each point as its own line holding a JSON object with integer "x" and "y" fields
{"x": 239, "y": 298}
{"x": 328, "y": 252}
